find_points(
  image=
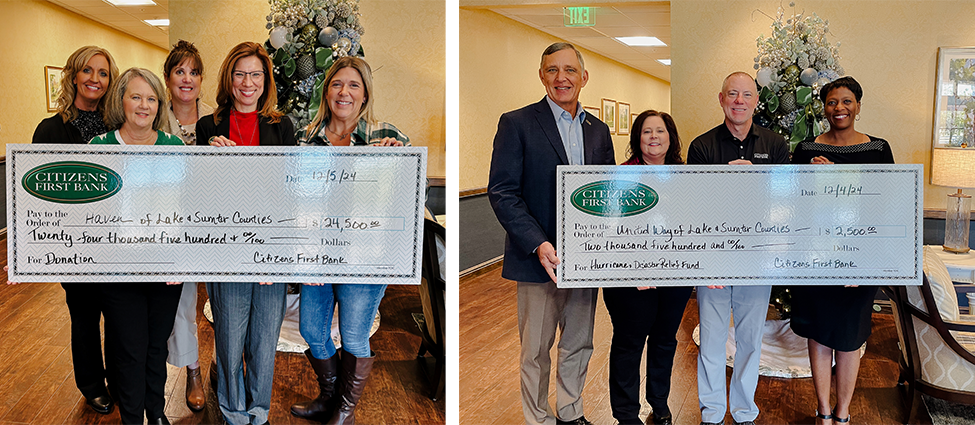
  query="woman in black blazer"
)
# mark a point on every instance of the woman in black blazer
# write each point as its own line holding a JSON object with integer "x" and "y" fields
{"x": 246, "y": 316}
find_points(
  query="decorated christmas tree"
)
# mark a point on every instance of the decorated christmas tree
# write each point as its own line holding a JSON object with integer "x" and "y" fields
{"x": 793, "y": 64}
{"x": 305, "y": 37}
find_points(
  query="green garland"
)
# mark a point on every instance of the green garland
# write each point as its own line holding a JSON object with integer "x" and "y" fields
{"x": 304, "y": 39}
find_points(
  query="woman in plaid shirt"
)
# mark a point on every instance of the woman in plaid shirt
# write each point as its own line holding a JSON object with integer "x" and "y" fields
{"x": 344, "y": 119}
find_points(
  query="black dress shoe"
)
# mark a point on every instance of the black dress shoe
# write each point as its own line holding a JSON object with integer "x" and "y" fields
{"x": 578, "y": 421}
{"x": 661, "y": 420}
{"x": 102, "y": 404}
{"x": 159, "y": 421}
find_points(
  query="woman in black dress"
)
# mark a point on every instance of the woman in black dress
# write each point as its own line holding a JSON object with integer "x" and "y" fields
{"x": 836, "y": 319}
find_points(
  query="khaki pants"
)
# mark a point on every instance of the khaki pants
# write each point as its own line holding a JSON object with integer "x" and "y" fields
{"x": 544, "y": 309}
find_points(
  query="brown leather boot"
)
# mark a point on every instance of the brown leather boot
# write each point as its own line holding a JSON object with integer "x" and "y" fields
{"x": 321, "y": 407}
{"x": 354, "y": 372}
{"x": 195, "y": 398}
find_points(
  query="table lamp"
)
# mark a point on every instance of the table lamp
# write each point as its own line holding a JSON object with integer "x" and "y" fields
{"x": 955, "y": 167}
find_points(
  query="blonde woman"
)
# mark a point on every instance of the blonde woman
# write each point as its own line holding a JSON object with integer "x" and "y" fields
{"x": 86, "y": 77}
{"x": 138, "y": 317}
{"x": 344, "y": 119}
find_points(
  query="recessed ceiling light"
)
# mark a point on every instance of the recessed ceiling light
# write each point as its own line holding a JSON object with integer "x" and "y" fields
{"x": 641, "y": 41}
{"x": 157, "y": 22}
{"x": 131, "y": 2}
{"x": 664, "y": 61}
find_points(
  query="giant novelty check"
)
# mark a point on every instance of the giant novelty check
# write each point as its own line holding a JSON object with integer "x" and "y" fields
{"x": 173, "y": 213}
{"x": 739, "y": 225}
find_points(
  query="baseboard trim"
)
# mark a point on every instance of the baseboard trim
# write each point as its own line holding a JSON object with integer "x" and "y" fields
{"x": 482, "y": 268}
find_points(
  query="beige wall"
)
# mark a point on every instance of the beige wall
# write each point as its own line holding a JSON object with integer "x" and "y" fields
{"x": 38, "y": 34}
{"x": 498, "y": 69}
{"x": 890, "y": 47}
{"x": 404, "y": 43}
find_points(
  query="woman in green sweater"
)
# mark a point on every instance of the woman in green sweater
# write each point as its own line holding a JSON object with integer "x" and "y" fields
{"x": 138, "y": 316}
{"x": 135, "y": 108}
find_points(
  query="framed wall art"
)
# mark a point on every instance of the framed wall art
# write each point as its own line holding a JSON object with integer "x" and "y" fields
{"x": 954, "y": 103}
{"x": 624, "y": 121}
{"x": 609, "y": 114}
{"x": 52, "y": 86}
{"x": 593, "y": 110}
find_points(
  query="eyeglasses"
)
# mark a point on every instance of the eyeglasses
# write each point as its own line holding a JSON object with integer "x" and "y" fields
{"x": 255, "y": 75}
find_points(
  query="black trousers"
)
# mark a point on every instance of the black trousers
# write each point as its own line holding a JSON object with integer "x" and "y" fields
{"x": 647, "y": 318}
{"x": 139, "y": 319}
{"x": 85, "y": 310}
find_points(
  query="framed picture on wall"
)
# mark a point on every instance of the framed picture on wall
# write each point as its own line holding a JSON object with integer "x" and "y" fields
{"x": 592, "y": 110}
{"x": 624, "y": 121}
{"x": 954, "y": 103}
{"x": 52, "y": 86}
{"x": 609, "y": 114}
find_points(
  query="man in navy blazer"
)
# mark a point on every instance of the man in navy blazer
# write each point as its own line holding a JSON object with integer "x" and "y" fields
{"x": 530, "y": 143}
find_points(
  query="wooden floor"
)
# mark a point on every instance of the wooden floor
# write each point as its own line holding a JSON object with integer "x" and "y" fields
{"x": 37, "y": 383}
{"x": 489, "y": 382}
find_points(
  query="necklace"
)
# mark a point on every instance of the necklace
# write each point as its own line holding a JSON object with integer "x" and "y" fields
{"x": 341, "y": 136}
{"x": 188, "y": 136}
{"x": 250, "y": 140}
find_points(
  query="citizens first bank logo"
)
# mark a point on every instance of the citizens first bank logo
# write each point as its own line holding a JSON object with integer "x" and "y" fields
{"x": 72, "y": 182}
{"x": 614, "y": 198}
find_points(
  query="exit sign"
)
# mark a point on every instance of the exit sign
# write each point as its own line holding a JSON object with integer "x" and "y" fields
{"x": 578, "y": 17}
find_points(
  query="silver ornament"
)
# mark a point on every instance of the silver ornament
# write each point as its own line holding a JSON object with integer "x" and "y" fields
{"x": 328, "y": 35}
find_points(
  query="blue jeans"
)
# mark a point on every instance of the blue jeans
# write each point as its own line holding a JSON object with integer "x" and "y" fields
{"x": 358, "y": 304}
{"x": 246, "y": 325}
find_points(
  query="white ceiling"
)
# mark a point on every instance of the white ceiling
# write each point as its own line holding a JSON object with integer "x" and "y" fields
{"x": 127, "y": 19}
{"x": 621, "y": 20}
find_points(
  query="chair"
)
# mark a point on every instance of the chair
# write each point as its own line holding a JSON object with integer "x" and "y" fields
{"x": 432, "y": 292}
{"x": 937, "y": 349}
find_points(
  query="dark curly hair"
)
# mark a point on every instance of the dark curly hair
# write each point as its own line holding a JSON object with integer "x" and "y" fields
{"x": 847, "y": 82}
{"x": 636, "y": 131}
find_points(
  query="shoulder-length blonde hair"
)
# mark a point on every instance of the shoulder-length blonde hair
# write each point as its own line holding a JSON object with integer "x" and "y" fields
{"x": 77, "y": 62}
{"x": 267, "y": 104}
{"x": 365, "y": 111}
{"x": 114, "y": 108}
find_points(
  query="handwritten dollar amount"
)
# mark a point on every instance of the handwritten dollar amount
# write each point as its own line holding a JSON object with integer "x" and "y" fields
{"x": 345, "y": 224}
{"x": 849, "y": 231}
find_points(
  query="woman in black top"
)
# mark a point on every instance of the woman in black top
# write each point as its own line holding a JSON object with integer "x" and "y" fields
{"x": 247, "y": 316}
{"x": 85, "y": 79}
{"x": 645, "y": 319}
{"x": 836, "y": 319}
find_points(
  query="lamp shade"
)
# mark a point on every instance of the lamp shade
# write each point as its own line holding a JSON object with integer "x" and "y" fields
{"x": 953, "y": 167}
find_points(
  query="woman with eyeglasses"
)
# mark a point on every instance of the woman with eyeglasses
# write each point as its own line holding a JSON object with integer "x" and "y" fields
{"x": 246, "y": 316}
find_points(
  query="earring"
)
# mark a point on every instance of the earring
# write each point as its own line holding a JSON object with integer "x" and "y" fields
{"x": 858, "y": 117}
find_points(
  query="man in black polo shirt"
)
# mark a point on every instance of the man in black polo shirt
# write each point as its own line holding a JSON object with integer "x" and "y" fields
{"x": 735, "y": 142}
